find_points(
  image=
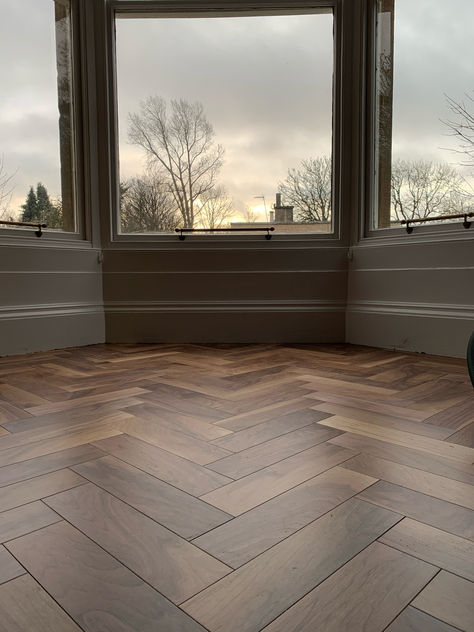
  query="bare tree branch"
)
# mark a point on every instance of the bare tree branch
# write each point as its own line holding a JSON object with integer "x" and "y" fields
{"x": 179, "y": 142}
{"x": 147, "y": 205}
{"x": 308, "y": 189}
{"x": 6, "y": 191}
{"x": 462, "y": 126}
{"x": 216, "y": 208}
{"x": 423, "y": 189}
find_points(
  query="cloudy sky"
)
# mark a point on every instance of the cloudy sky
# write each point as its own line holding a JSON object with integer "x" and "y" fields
{"x": 265, "y": 83}
{"x": 28, "y": 96}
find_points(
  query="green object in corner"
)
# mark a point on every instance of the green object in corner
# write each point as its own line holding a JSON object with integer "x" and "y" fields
{"x": 470, "y": 357}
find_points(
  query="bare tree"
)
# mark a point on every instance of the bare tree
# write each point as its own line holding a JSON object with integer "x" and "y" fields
{"x": 146, "y": 205}
{"x": 462, "y": 126}
{"x": 216, "y": 208}
{"x": 308, "y": 189}
{"x": 425, "y": 189}
{"x": 6, "y": 190}
{"x": 250, "y": 216}
{"x": 179, "y": 142}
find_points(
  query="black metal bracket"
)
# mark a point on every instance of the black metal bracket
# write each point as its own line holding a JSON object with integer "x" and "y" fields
{"x": 267, "y": 229}
{"x": 466, "y": 223}
{"x": 38, "y": 232}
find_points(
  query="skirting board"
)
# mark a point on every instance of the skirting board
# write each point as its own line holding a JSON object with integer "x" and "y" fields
{"x": 28, "y": 330}
{"x": 233, "y": 325}
{"x": 435, "y": 329}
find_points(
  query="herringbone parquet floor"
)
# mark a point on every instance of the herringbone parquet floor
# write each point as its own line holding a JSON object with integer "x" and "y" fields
{"x": 178, "y": 488}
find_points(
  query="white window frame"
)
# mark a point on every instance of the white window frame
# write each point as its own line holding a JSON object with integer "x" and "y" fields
{"x": 430, "y": 232}
{"x": 80, "y": 145}
{"x": 229, "y": 8}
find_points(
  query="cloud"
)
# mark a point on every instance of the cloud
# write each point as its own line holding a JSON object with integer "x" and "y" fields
{"x": 265, "y": 83}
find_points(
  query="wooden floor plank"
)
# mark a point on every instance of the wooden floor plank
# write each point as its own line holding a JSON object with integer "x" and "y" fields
{"x": 260, "y": 433}
{"x": 407, "y": 456}
{"x": 181, "y": 473}
{"x": 465, "y": 436}
{"x": 264, "y": 413}
{"x": 79, "y": 415}
{"x": 351, "y": 388}
{"x": 20, "y": 397}
{"x": 436, "y": 513}
{"x": 425, "y": 444}
{"x": 27, "y": 491}
{"x": 417, "y": 480}
{"x": 22, "y": 520}
{"x": 258, "y": 592}
{"x": 449, "y": 598}
{"x": 384, "y": 408}
{"x": 9, "y": 412}
{"x": 9, "y": 567}
{"x": 59, "y": 431}
{"x": 94, "y": 588}
{"x": 456, "y": 416}
{"x": 250, "y": 534}
{"x": 259, "y": 456}
{"x": 53, "y": 407}
{"x": 195, "y": 450}
{"x": 365, "y": 594}
{"x": 188, "y": 425}
{"x": 439, "y": 548}
{"x": 180, "y": 512}
{"x": 182, "y": 400}
{"x": 63, "y": 441}
{"x": 167, "y": 562}
{"x": 386, "y": 421}
{"x": 25, "y": 607}
{"x": 48, "y": 463}
{"x": 252, "y": 490}
{"x": 414, "y": 620}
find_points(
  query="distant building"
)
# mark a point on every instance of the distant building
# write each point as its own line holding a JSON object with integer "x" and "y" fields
{"x": 281, "y": 218}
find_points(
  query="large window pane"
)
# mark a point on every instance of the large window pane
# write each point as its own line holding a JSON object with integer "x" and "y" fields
{"x": 424, "y": 79}
{"x": 225, "y": 122}
{"x": 36, "y": 140}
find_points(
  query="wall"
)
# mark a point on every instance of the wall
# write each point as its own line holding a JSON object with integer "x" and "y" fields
{"x": 51, "y": 297}
{"x": 412, "y": 295}
{"x": 259, "y": 294}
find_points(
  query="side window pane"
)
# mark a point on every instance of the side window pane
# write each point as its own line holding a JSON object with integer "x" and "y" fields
{"x": 424, "y": 101}
{"x": 225, "y": 122}
{"x": 36, "y": 117}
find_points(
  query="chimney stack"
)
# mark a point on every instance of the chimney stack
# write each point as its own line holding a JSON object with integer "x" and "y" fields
{"x": 283, "y": 214}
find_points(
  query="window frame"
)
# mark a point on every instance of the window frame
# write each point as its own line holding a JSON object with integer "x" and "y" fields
{"x": 421, "y": 232}
{"x": 82, "y": 233}
{"x": 230, "y": 8}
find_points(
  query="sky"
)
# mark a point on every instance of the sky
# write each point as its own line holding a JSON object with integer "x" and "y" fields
{"x": 29, "y": 138}
{"x": 265, "y": 84}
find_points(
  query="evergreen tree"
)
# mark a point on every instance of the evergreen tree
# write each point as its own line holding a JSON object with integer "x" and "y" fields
{"x": 39, "y": 208}
{"x": 30, "y": 207}
{"x": 43, "y": 203}
{"x": 54, "y": 218}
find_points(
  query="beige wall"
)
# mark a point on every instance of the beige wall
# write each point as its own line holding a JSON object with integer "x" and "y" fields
{"x": 266, "y": 294}
{"x": 51, "y": 297}
{"x": 414, "y": 296}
